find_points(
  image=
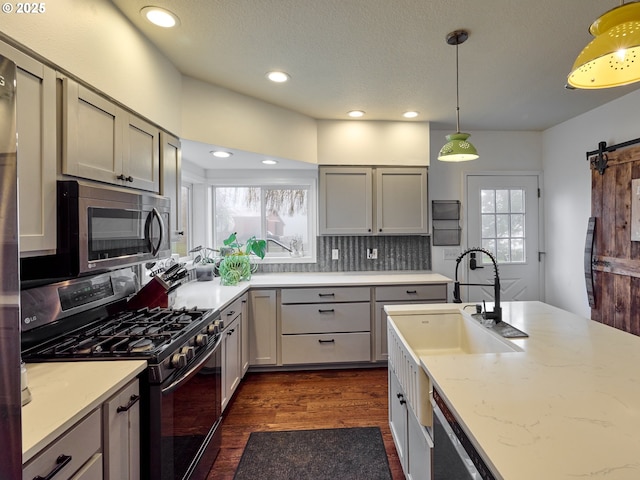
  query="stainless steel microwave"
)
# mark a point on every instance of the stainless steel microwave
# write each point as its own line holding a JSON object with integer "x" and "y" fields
{"x": 102, "y": 228}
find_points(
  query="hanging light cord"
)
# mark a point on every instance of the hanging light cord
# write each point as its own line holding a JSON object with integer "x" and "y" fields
{"x": 457, "y": 91}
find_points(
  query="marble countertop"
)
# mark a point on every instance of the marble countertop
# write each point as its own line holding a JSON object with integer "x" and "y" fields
{"x": 65, "y": 392}
{"x": 566, "y": 407}
{"x": 213, "y": 295}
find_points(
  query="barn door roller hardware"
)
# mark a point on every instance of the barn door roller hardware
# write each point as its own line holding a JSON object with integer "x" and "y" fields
{"x": 599, "y": 159}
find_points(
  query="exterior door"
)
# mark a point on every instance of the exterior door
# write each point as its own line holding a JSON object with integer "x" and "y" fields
{"x": 503, "y": 218}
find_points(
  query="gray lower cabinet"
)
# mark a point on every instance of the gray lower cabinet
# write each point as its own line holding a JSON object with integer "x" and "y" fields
{"x": 37, "y": 131}
{"x": 121, "y": 434}
{"x": 412, "y": 441}
{"x": 326, "y": 325}
{"x": 263, "y": 336}
{"x": 401, "y": 294}
{"x": 75, "y": 454}
{"x": 231, "y": 350}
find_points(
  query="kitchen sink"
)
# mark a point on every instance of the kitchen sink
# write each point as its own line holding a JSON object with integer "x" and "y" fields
{"x": 439, "y": 332}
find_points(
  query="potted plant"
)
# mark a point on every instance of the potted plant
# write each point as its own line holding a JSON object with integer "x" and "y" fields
{"x": 205, "y": 262}
{"x": 236, "y": 264}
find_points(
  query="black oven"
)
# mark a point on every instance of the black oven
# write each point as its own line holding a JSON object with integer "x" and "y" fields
{"x": 101, "y": 228}
{"x": 87, "y": 318}
{"x": 186, "y": 412}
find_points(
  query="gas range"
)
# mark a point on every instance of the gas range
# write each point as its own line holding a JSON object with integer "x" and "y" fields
{"x": 87, "y": 319}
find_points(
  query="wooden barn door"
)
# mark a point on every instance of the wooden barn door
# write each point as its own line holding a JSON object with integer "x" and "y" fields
{"x": 615, "y": 258}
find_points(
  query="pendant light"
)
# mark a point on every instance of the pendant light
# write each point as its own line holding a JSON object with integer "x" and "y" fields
{"x": 457, "y": 148}
{"x": 612, "y": 58}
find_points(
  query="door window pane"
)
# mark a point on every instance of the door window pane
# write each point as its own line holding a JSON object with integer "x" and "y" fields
{"x": 503, "y": 224}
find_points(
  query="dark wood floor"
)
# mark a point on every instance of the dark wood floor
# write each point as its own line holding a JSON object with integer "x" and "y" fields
{"x": 301, "y": 401}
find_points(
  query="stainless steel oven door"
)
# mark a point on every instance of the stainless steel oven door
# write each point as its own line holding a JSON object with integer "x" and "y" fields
{"x": 185, "y": 416}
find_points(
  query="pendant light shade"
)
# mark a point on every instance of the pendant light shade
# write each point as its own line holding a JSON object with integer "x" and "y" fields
{"x": 612, "y": 58}
{"x": 457, "y": 148}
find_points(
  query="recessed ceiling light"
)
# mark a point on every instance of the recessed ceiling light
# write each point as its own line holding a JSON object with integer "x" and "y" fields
{"x": 278, "y": 77}
{"x": 269, "y": 162}
{"x": 221, "y": 153}
{"x": 410, "y": 114}
{"x": 355, "y": 113}
{"x": 160, "y": 17}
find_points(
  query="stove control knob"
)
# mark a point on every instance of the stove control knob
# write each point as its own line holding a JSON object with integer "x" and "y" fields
{"x": 179, "y": 360}
{"x": 202, "y": 339}
{"x": 188, "y": 352}
{"x": 212, "y": 329}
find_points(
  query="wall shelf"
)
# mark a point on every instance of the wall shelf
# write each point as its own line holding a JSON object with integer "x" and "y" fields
{"x": 445, "y": 216}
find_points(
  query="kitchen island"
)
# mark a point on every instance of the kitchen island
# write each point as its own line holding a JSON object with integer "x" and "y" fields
{"x": 564, "y": 404}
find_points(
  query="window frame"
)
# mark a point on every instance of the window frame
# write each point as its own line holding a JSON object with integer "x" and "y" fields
{"x": 282, "y": 179}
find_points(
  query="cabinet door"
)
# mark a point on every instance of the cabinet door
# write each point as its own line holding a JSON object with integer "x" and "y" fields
{"x": 231, "y": 362}
{"x": 92, "y": 135}
{"x": 244, "y": 330}
{"x": 121, "y": 434}
{"x": 401, "y": 201}
{"x": 419, "y": 449}
{"x": 262, "y": 328}
{"x": 346, "y": 200}
{"x": 171, "y": 179}
{"x": 398, "y": 418}
{"x": 141, "y": 154}
{"x": 36, "y": 126}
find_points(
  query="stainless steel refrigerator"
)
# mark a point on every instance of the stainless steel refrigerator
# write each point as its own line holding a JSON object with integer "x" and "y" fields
{"x": 10, "y": 398}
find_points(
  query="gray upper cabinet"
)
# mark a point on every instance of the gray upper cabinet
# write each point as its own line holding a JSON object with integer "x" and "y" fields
{"x": 346, "y": 200}
{"x": 379, "y": 201}
{"x": 104, "y": 142}
{"x": 171, "y": 180}
{"x": 401, "y": 201}
{"x": 36, "y": 125}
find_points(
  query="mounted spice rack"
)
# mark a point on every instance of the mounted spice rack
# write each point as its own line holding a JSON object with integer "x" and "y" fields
{"x": 445, "y": 215}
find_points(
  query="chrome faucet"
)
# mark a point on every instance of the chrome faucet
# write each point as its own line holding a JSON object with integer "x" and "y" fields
{"x": 280, "y": 244}
{"x": 496, "y": 315}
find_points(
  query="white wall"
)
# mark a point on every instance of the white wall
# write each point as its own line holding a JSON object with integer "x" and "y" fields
{"x": 357, "y": 142}
{"x": 218, "y": 116}
{"x": 568, "y": 192}
{"x": 93, "y": 41}
{"x": 499, "y": 151}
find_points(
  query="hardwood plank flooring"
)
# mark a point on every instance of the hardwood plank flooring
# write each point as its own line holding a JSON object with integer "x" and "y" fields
{"x": 301, "y": 401}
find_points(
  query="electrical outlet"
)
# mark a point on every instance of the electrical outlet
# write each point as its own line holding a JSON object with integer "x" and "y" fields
{"x": 335, "y": 254}
{"x": 372, "y": 253}
{"x": 451, "y": 253}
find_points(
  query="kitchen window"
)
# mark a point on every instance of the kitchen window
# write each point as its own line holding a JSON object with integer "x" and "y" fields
{"x": 282, "y": 214}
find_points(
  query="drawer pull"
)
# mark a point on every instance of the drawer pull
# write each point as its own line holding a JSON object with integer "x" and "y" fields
{"x": 132, "y": 402}
{"x": 326, "y": 310}
{"x": 230, "y": 313}
{"x": 230, "y": 332}
{"x": 412, "y": 292}
{"x": 61, "y": 462}
{"x": 327, "y": 341}
{"x": 326, "y": 294}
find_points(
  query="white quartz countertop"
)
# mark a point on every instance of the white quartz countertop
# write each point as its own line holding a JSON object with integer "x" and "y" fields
{"x": 65, "y": 392}
{"x": 566, "y": 407}
{"x": 213, "y": 295}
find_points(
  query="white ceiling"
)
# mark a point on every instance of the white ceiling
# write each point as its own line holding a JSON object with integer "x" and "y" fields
{"x": 389, "y": 56}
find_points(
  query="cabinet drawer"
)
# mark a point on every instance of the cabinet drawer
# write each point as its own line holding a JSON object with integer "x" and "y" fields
{"x": 326, "y": 318}
{"x": 435, "y": 292}
{"x": 326, "y": 294}
{"x": 334, "y": 348}
{"x": 231, "y": 312}
{"x": 80, "y": 443}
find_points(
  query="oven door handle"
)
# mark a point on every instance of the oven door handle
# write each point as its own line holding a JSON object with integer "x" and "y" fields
{"x": 155, "y": 214}
{"x": 193, "y": 370}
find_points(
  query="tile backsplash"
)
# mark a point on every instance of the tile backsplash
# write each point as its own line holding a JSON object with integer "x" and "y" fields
{"x": 394, "y": 253}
